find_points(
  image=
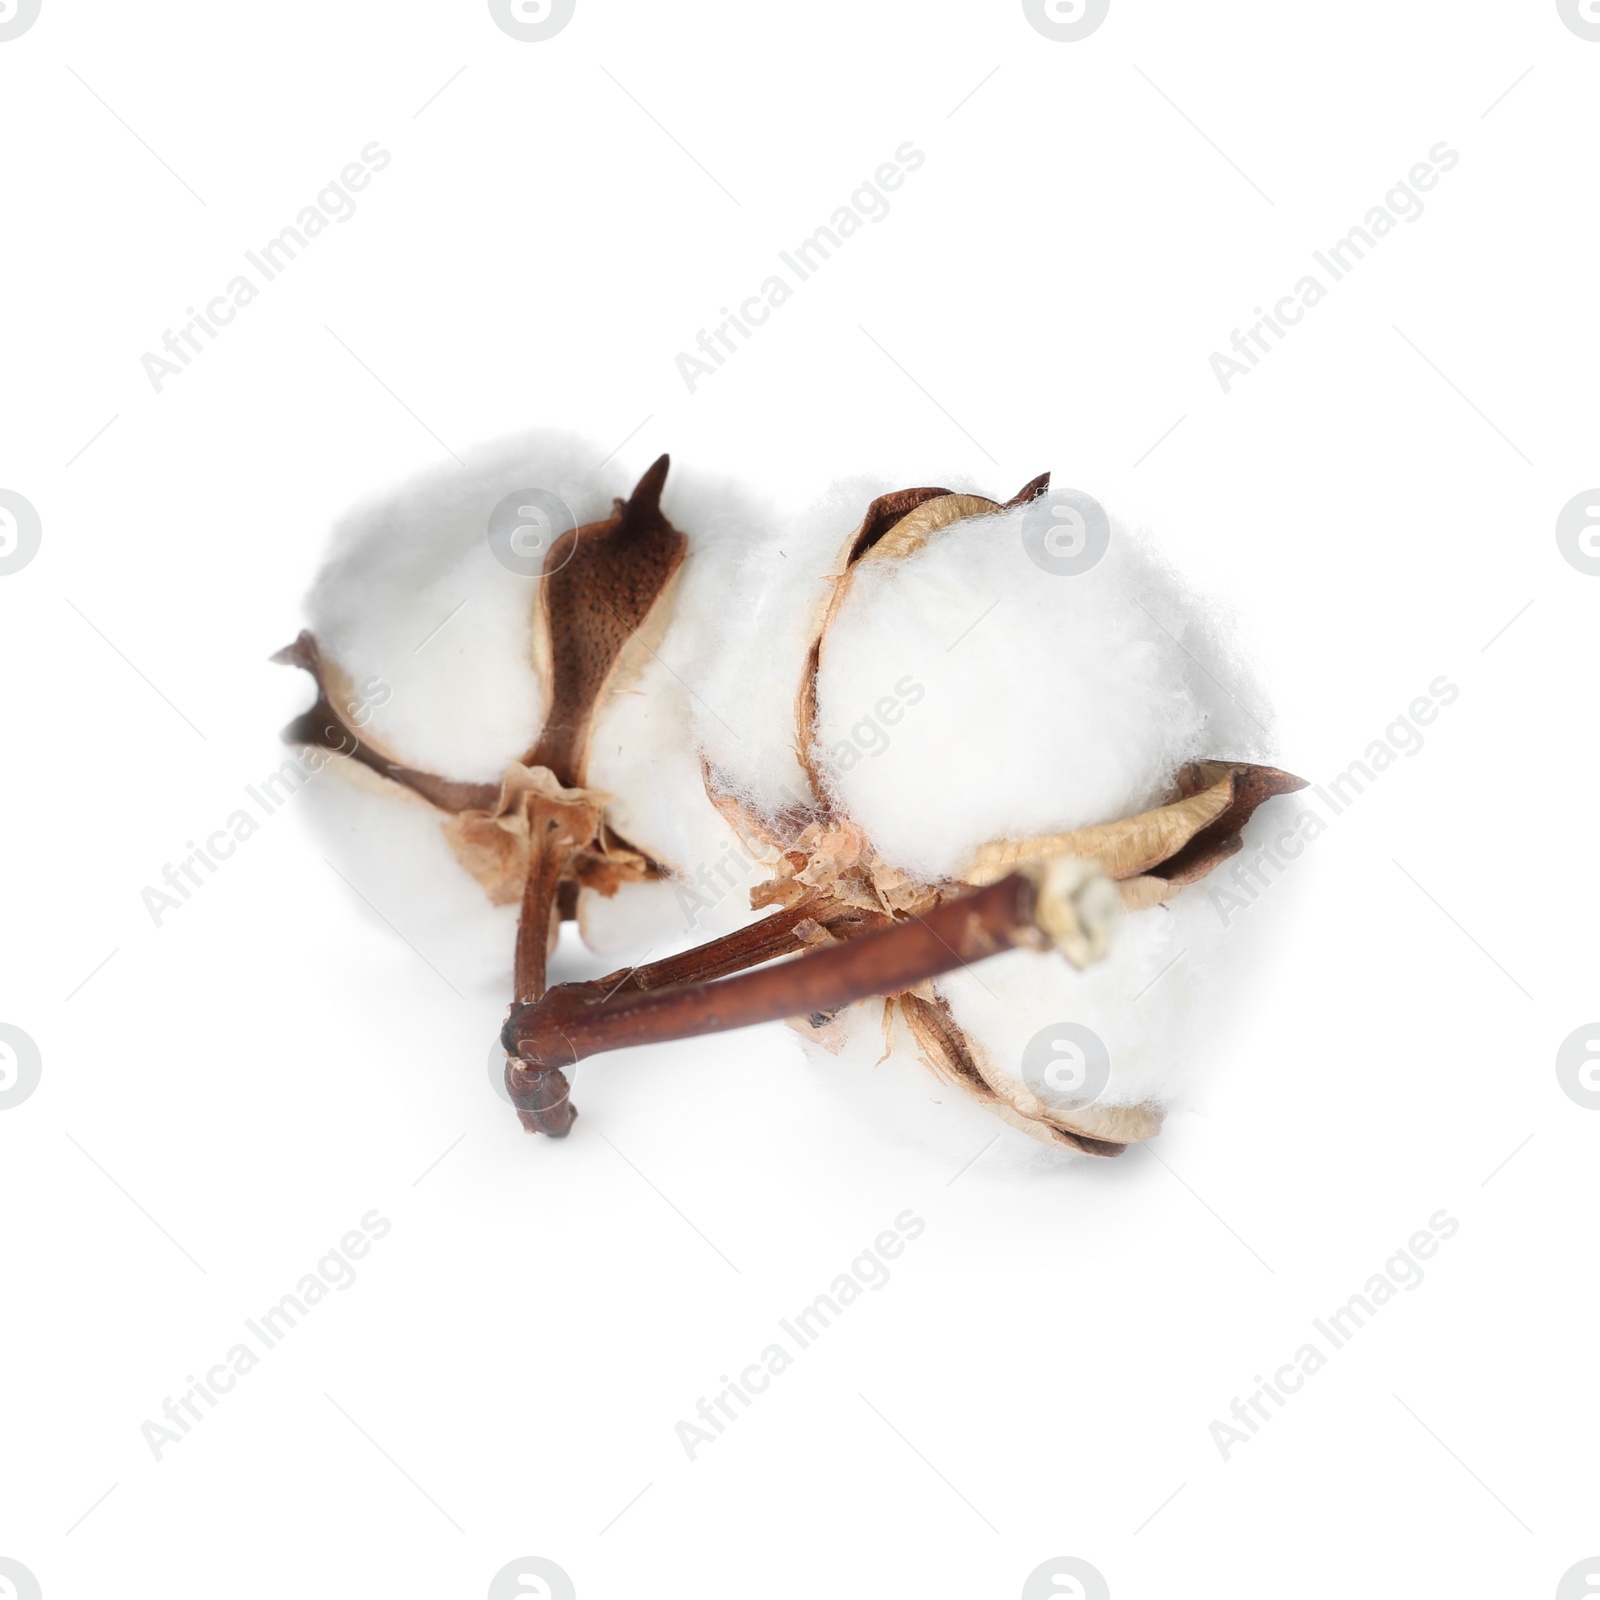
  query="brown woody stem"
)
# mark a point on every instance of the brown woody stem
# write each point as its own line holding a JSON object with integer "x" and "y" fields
{"x": 543, "y": 1100}
{"x": 576, "y": 1020}
{"x": 545, "y": 868}
{"x": 763, "y": 941}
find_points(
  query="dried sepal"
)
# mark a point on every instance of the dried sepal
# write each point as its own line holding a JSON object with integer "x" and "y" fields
{"x": 1220, "y": 838}
{"x": 601, "y": 582}
{"x": 326, "y": 727}
{"x": 1124, "y": 849}
{"x": 1096, "y": 1129}
{"x": 492, "y": 843}
{"x": 1139, "y": 894}
{"x": 838, "y": 858}
{"x": 949, "y": 1052}
{"x": 942, "y": 1043}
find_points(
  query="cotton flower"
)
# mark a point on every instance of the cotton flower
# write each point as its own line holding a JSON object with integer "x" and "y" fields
{"x": 857, "y": 735}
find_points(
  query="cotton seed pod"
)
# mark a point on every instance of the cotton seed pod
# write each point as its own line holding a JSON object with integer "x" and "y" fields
{"x": 431, "y": 640}
{"x": 984, "y": 688}
{"x": 698, "y": 700}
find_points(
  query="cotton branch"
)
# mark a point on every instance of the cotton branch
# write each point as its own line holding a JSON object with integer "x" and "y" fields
{"x": 1065, "y": 904}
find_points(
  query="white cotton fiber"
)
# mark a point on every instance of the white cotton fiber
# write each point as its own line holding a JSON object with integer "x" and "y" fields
{"x": 388, "y": 847}
{"x": 465, "y": 700}
{"x": 776, "y": 589}
{"x": 1154, "y": 1001}
{"x": 966, "y": 695}
{"x": 1145, "y": 1000}
{"x": 892, "y": 1093}
{"x": 645, "y": 751}
{"x": 648, "y": 763}
{"x": 412, "y": 595}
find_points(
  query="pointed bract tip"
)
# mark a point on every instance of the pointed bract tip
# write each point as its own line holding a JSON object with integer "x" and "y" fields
{"x": 1277, "y": 781}
{"x": 1031, "y": 490}
{"x": 302, "y": 653}
{"x": 646, "y": 494}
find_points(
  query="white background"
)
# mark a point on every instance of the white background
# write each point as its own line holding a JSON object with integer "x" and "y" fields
{"x": 224, "y": 1096}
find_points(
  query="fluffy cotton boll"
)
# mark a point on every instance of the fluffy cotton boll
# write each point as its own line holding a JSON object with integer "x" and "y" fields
{"x": 1217, "y": 669}
{"x": 719, "y": 682}
{"x": 389, "y": 847}
{"x": 413, "y": 597}
{"x": 776, "y": 589}
{"x": 1010, "y": 1009}
{"x": 966, "y": 695}
{"x": 467, "y": 699}
{"x": 643, "y": 756}
{"x": 645, "y": 751}
{"x": 1146, "y": 1001}
{"x": 873, "y": 1076}
{"x": 639, "y": 923}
